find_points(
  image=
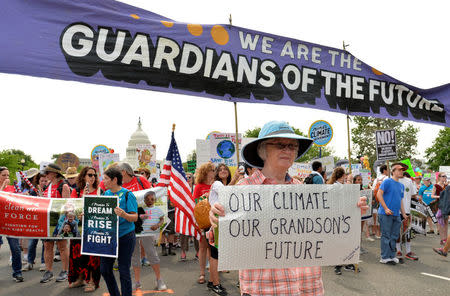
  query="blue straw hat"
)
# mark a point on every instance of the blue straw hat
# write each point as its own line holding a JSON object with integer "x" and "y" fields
{"x": 273, "y": 129}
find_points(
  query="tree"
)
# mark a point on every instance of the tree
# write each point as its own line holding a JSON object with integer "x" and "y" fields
{"x": 363, "y": 137}
{"x": 439, "y": 153}
{"x": 312, "y": 153}
{"x": 12, "y": 159}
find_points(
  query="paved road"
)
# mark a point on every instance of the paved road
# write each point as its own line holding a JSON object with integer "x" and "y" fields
{"x": 374, "y": 279}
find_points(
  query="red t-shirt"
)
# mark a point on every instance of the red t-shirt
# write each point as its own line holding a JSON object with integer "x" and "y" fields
{"x": 9, "y": 188}
{"x": 74, "y": 193}
{"x": 54, "y": 192}
{"x": 134, "y": 185}
{"x": 199, "y": 190}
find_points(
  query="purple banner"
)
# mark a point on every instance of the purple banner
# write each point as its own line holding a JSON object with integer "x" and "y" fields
{"x": 111, "y": 43}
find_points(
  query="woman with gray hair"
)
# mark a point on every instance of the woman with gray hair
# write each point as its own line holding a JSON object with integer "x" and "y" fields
{"x": 275, "y": 150}
{"x": 131, "y": 181}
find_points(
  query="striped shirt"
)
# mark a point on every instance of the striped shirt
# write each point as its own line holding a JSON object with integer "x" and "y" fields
{"x": 305, "y": 281}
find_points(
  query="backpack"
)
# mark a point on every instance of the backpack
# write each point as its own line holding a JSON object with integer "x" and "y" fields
{"x": 140, "y": 182}
{"x": 375, "y": 190}
{"x": 309, "y": 179}
{"x": 138, "y": 224}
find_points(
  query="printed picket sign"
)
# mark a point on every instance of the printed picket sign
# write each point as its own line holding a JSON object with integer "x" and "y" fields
{"x": 101, "y": 227}
{"x": 268, "y": 226}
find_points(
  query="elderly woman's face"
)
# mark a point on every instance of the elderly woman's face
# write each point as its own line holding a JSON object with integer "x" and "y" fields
{"x": 280, "y": 152}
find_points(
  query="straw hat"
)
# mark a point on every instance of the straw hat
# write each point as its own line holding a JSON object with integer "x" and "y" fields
{"x": 31, "y": 173}
{"x": 53, "y": 168}
{"x": 71, "y": 172}
{"x": 273, "y": 129}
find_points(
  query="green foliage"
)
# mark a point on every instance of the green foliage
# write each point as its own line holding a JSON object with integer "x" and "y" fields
{"x": 363, "y": 137}
{"x": 12, "y": 158}
{"x": 439, "y": 153}
{"x": 55, "y": 156}
{"x": 312, "y": 153}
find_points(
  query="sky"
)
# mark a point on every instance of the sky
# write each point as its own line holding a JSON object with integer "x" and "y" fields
{"x": 404, "y": 39}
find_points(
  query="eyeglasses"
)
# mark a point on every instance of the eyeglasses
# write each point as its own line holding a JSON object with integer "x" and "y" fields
{"x": 443, "y": 176}
{"x": 91, "y": 175}
{"x": 281, "y": 146}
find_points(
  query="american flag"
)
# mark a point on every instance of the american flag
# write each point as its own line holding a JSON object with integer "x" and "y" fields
{"x": 173, "y": 177}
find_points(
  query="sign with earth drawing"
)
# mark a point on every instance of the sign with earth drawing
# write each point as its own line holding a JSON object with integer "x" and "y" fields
{"x": 223, "y": 148}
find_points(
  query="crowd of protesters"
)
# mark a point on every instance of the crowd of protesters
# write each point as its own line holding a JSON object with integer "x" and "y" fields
{"x": 267, "y": 161}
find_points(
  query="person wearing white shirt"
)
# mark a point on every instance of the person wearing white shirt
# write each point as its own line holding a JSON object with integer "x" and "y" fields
{"x": 405, "y": 237}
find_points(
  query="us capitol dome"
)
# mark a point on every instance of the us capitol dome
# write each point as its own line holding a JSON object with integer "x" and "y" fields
{"x": 138, "y": 137}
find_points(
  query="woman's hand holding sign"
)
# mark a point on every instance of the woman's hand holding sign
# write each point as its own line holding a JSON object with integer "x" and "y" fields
{"x": 216, "y": 209}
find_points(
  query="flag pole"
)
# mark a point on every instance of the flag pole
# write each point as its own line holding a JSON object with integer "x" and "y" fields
{"x": 344, "y": 46}
{"x": 348, "y": 142}
{"x": 173, "y": 127}
{"x": 235, "y": 116}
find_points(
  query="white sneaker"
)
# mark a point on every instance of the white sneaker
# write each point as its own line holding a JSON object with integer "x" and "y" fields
{"x": 42, "y": 267}
{"x": 395, "y": 259}
{"x": 384, "y": 261}
{"x": 160, "y": 285}
{"x": 370, "y": 239}
{"x": 27, "y": 266}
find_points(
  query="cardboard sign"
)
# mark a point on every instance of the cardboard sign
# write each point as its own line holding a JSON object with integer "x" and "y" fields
{"x": 368, "y": 194}
{"x": 104, "y": 160}
{"x": 223, "y": 148}
{"x": 386, "y": 145}
{"x": 101, "y": 227}
{"x": 300, "y": 169}
{"x": 268, "y": 226}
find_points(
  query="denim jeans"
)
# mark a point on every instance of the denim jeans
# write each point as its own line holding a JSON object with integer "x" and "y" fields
{"x": 390, "y": 232}
{"x": 16, "y": 254}
{"x": 126, "y": 248}
{"x": 32, "y": 246}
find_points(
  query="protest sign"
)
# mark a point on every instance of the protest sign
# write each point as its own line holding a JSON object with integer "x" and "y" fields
{"x": 268, "y": 226}
{"x": 321, "y": 132}
{"x": 223, "y": 148}
{"x": 161, "y": 198}
{"x": 101, "y": 227}
{"x": 300, "y": 169}
{"x": 418, "y": 217}
{"x": 327, "y": 163}
{"x": 368, "y": 194}
{"x": 38, "y": 217}
{"x": 356, "y": 168}
{"x": 146, "y": 156}
{"x": 386, "y": 144}
{"x": 366, "y": 176}
{"x": 66, "y": 160}
{"x": 410, "y": 169}
{"x": 104, "y": 160}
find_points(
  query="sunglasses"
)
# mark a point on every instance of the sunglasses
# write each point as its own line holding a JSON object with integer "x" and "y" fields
{"x": 91, "y": 175}
{"x": 281, "y": 146}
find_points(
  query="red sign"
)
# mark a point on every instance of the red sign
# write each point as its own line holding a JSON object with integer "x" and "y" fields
{"x": 23, "y": 216}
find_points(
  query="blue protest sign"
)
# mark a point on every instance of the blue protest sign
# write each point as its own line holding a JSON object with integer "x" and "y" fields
{"x": 321, "y": 132}
{"x": 100, "y": 227}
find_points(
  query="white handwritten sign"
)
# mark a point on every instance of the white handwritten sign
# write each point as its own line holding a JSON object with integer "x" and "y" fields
{"x": 273, "y": 226}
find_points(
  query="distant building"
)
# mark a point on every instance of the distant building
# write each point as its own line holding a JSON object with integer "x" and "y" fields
{"x": 85, "y": 162}
{"x": 138, "y": 137}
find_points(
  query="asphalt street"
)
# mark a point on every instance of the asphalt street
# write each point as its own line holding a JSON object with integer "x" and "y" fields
{"x": 428, "y": 276}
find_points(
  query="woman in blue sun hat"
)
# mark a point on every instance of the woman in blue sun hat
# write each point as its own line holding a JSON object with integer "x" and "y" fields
{"x": 274, "y": 152}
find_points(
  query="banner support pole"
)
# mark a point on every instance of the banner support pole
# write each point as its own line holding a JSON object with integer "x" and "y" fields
{"x": 235, "y": 117}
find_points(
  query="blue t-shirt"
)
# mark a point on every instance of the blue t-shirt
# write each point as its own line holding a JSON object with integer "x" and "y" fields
{"x": 129, "y": 206}
{"x": 426, "y": 192}
{"x": 392, "y": 194}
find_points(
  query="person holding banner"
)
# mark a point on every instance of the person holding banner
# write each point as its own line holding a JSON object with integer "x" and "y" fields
{"x": 127, "y": 212}
{"x": 84, "y": 268}
{"x": 13, "y": 243}
{"x": 57, "y": 188}
{"x": 275, "y": 150}
{"x": 390, "y": 195}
